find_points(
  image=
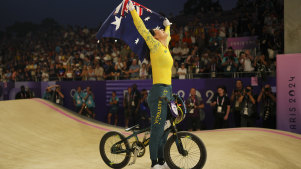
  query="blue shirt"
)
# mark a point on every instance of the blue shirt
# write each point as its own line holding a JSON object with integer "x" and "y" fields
{"x": 78, "y": 97}
{"x": 89, "y": 101}
{"x": 114, "y": 106}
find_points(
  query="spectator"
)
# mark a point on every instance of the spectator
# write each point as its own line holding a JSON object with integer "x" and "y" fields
{"x": 77, "y": 72}
{"x": 20, "y": 75}
{"x": 248, "y": 108}
{"x": 116, "y": 73}
{"x": 267, "y": 24}
{"x": 268, "y": 107}
{"x": 14, "y": 74}
{"x": 246, "y": 61}
{"x": 184, "y": 51}
{"x": 48, "y": 94}
{"x": 58, "y": 95}
{"x": 236, "y": 94}
{"x": 182, "y": 71}
{"x": 45, "y": 75}
{"x": 205, "y": 61}
{"x": 135, "y": 101}
{"x": 8, "y": 75}
{"x": 108, "y": 68}
{"x": 78, "y": 99}
{"x": 143, "y": 61}
{"x": 196, "y": 114}
{"x": 176, "y": 52}
{"x": 23, "y": 94}
{"x": 124, "y": 71}
{"x": 174, "y": 69}
{"x": 221, "y": 104}
{"x": 69, "y": 73}
{"x": 99, "y": 72}
{"x": 88, "y": 103}
{"x": 84, "y": 75}
{"x": 214, "y": 42}
{"x": 260, "y": 65}
{"x": 60, "y": 72}
{"x": 127, "y": 107}
{"x": 114, "y": 106}
{"x": 143, "y": 72}
{"x": 134, "y": 70}
{"x": 144, "y": 111}
{"x": 230, "y": 62}
{"x": 91, "y": 74}
{"x": 214, "y": 66}
{"x": 119, "y": 63}
{"x": 52, "y": 73}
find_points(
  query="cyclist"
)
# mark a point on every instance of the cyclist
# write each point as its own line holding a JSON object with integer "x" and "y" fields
{"x": 161, "y": 61}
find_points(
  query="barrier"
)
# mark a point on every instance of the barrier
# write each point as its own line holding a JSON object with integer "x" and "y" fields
{"x": 289, "y": 93}
{"x": 102, "y": 90}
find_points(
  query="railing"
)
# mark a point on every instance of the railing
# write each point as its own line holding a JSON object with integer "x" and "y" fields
{"x": 187, "y": 76}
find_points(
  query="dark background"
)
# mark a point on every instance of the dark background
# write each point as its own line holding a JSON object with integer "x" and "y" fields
{"x": 80, "y": 12}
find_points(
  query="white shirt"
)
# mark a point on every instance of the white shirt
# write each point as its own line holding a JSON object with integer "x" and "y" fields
{"x": 144, "y": 61}
{"x": 176, "y": 50}
{"x": 143, "y": 73}
{"x": 184, "y": 51}
{"x": 182, "y": 76}
{"x": 248, "y": 65}
{"x": 222, "y": 32}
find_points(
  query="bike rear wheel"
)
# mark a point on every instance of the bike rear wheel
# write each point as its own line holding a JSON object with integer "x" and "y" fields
{"x": 195, "y": 152}
{"x": 109, "y": 150}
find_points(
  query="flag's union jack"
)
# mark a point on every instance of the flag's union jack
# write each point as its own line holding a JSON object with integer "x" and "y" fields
{"x": 120, "y": 25}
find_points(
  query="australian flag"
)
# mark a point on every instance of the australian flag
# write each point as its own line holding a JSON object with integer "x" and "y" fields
{"x": 120, "y": 25}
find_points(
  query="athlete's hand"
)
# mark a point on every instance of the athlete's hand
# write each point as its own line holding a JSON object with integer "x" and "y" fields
{"x": 131, "y": 6}
{"x": 166, "y": 22}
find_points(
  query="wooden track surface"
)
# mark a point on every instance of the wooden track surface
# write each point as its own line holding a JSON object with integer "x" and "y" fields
{"x": 36, "y": 134}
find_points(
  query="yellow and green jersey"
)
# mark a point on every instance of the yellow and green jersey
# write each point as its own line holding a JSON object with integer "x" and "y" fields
{"x": 161, "y": 59}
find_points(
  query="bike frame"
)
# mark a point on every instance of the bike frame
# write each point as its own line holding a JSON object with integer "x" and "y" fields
{"x": 145, "y": 141}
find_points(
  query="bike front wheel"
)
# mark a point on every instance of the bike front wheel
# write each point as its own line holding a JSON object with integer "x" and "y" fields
{"x": 194, "y": 156}
{"x": 115, "y": 155}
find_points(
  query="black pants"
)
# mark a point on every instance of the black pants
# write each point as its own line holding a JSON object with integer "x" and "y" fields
{"x": 194, "y": 123}
{"x": 135, "y": 116}
{"x": 269, "y": 123}
{"x": 237, "y": 118}
{"x": 247, "y": 121}
{"x": 220, "y": 122}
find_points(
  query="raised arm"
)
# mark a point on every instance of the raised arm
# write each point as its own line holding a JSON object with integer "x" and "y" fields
{"x": 143, "y": 31}
{"x": 167, "y": 24}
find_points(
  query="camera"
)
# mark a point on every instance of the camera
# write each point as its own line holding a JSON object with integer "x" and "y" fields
{"x": 248, "y": 90}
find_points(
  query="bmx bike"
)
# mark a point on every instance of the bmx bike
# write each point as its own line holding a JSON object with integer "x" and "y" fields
{"x": 183, "y": 150}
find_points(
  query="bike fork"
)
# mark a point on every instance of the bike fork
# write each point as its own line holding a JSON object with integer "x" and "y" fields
{"x": 178, "y": 142}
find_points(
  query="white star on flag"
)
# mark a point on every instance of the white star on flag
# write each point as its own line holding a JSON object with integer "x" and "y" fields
{"x": 147, "y": 18}
{"x": 136, "y": 41}
{"x": 158, "y": 27}
{"x": 117, "y": 22}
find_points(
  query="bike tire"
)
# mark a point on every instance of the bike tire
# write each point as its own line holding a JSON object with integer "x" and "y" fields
{"x": 175, "y": 160}
{"x": 105, "y": 146}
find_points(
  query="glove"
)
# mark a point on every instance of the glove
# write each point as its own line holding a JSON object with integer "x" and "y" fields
{"x": 131, "y": 6}
{"x": 166, "y": 22}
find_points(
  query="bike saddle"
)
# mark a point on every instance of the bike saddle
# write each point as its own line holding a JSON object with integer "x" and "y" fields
{"x": 136, "y": 127}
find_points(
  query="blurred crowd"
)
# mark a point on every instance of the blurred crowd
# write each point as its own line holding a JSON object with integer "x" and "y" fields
{"x": 198, "y": 47}
{"x": 245, "y": 107}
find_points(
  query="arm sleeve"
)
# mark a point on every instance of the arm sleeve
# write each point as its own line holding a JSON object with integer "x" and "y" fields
{"x": 143, "y": 31}
{"x": 167, "y": 30}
